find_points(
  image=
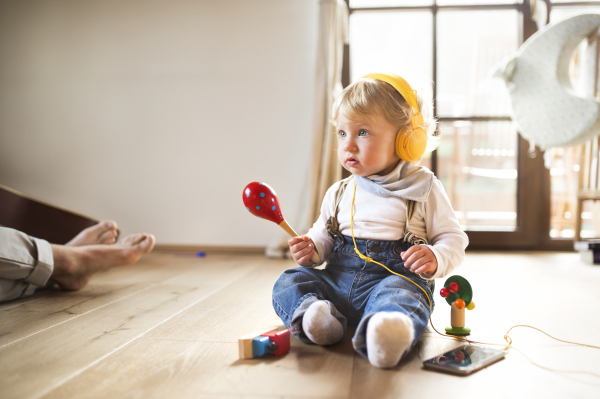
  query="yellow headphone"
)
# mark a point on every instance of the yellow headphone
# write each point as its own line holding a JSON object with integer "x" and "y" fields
{"x": 410, "y": 142}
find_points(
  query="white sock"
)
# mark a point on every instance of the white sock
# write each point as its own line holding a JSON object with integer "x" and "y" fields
{"x": 320, "y": 326}
{"x": 389, "y": 335}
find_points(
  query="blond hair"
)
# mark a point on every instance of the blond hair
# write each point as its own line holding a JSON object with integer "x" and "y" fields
{"x": 370, "y": 98}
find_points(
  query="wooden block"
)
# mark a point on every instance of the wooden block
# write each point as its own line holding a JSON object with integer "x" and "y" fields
{"x": 245, "y": 342}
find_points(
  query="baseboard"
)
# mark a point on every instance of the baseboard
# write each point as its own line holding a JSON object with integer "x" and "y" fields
{"x": 214, "y": 249}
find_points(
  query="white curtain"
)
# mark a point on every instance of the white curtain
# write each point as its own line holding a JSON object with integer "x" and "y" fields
{"x": 333, "y": 35}
{"x": 325, "y": 169}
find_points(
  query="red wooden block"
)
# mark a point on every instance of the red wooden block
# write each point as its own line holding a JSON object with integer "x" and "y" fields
{"x": 282, "y": 339}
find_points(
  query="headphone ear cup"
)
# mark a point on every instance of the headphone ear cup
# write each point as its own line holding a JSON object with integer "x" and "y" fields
{"x": 411, "y": 144}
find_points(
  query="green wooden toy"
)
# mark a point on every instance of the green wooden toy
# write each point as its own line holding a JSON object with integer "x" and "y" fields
{"x": 458, "y": 293}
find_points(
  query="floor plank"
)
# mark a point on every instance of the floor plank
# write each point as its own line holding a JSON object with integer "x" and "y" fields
{"x": 54, "y": 307}
{"x": 237, "y": 310}
{"x": 191, "y": 369}
{"x": 168, "y": 327}
{"x": 33, "y": 317}
{"x": 59, "y": 353}
{"x": 211, "y": 328}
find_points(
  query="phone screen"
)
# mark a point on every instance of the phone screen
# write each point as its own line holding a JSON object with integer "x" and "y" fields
{"x": 464, "y": 360}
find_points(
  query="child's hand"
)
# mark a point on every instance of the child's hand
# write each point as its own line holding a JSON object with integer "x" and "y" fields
{"x": 420, "y": 259}
{"x": 302, "y": 248}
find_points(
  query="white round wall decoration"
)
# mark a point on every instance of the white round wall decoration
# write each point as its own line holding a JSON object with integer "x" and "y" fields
{"x": 546, "y": 109}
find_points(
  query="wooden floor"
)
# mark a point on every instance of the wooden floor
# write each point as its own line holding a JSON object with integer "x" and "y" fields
{"x": 168, "y": 328}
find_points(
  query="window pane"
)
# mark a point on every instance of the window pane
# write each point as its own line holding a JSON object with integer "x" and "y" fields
{"x": 564, "y": 168}
{"x": 477, "y": 164}
{"x": 571, "y": 1}
{"x": 389, "y": 3}
{"x": 385, "y": 41}
{"x": 559, "y": 13}
{"x": 474, "y": 2}
{"x": 470, "y": 44}
{"x": 590, "y": 219}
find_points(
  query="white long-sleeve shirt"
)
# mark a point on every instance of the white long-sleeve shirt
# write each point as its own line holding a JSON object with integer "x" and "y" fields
{"x": 383, "y": 218}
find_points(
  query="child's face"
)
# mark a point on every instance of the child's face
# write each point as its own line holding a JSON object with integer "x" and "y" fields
{"x": 366, "y": 146}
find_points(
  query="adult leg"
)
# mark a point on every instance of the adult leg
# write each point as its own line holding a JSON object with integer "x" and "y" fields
{"x": 395, "y": 317}
{"x": 26, "y": 263}
{"x": 74, "y": 266}
{"x": 302, "y": 298}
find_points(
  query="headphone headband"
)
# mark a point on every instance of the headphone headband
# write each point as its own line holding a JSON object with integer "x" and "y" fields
{"x": 410, "y": 143}
{"x": 398, "y": 83}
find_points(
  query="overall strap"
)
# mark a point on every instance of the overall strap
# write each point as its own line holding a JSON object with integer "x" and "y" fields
{"x": 408, "y": 236}
{"x": 410, "y": 211}
{"x": 333, "y": 226}
{"x": 340, "y": 193}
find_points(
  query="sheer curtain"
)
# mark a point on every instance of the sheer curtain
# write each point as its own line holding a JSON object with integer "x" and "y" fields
{"x": 333, "y": 34}
{"x": 324, "y": 169}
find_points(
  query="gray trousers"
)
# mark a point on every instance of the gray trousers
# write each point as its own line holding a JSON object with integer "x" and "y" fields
{"x": 26, "y": 263}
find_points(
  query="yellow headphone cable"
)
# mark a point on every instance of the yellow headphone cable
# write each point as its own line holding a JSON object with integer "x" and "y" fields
{"x": 507, "y": 338}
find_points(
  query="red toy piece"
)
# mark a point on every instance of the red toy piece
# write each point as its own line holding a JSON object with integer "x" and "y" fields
{"x": 282, "y": 339}
{"x": 260, "y": 199}
{"x": 444, "y": 293}
{"x": 263, "y": 342}
{"x": 453, "y": 287}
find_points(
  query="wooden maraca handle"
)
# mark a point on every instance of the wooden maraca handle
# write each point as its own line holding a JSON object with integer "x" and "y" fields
{"x": 315, "y": 258}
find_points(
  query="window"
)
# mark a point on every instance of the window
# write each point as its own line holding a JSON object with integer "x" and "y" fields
{"x": 498, "y": 186}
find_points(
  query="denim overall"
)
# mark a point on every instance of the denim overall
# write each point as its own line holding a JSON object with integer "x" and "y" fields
{"x": 354, "y": 288}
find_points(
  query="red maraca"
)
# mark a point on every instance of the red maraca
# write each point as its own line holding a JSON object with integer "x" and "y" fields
{"x": 260, "y": 199}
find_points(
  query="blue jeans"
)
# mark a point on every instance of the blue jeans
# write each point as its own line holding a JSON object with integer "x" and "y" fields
{"x": 355, "y": 290}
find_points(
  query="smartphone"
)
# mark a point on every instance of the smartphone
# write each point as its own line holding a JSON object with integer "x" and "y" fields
{"x": 464, "y": 360}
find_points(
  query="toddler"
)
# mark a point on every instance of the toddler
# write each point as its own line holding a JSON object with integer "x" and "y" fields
{"x": 386, "y": 232}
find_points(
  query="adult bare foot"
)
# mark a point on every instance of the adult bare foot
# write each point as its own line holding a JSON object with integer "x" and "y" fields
{"x": 75, "y": 265}
{"x": 104, "y": 232}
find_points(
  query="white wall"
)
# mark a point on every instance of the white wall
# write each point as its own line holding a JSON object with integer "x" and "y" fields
{"x": 157, "y": 114}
